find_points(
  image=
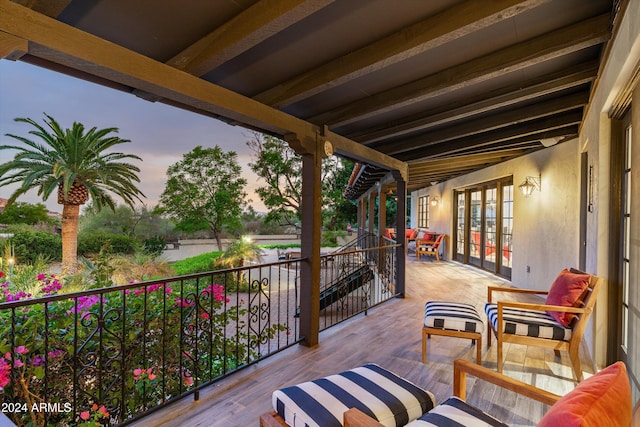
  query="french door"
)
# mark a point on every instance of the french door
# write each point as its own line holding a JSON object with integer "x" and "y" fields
{"x": 484, "y": 223}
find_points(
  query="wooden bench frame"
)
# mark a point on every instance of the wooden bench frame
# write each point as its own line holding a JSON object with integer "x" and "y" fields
{"x": 580, "y": 323}
{"x": 475, "y": 337}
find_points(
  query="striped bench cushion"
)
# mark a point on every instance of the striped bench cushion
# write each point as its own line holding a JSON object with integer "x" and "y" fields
{"x": 453, "y": 413}
{"x": 453, "y": 316}
{"x": 528, "y": 323}
{"x": 381, "y": 394}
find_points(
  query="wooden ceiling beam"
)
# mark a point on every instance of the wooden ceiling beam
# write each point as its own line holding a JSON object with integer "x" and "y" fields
{"x": 504, "y": 97}
{"x": 51, "y": 8}
{"x": 550, "y": 45}
{"x": 485, "y": 124}
{"x": 250, "y": 27}
{"x": 443, "y": 163}
{"x": 11, "y": 47}
{"x": 448, "y": 25}
{"x": 562, "y": 125}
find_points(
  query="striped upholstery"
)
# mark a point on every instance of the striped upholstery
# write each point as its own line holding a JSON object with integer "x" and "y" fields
{"x": 381, "y": 394}
{"x": 531, "y": 323}
{"x": 453, "y": 316}
{"x": 453, "y": 413}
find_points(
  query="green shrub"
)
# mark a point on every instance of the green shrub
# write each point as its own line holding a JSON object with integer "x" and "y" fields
{"x": 91, "y": 243}
{"x": 281, "y": 246}
{"x": 28, "y": 244}
{"x": 154, "y": 245}
{"x": 196, "y": 264}
{"x": 330, "y": 238}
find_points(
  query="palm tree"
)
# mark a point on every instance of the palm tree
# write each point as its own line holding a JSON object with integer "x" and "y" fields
{"x": 74, "y": 162}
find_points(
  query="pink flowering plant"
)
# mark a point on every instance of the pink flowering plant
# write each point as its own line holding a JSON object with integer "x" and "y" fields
{"x": 96, "y": 416}
{"x": 148, "y": 342}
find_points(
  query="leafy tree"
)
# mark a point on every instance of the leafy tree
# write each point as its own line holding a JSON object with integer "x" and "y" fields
{"x": 139, "y": 222}
{"x": 75, "y": 162}
{"x": 204, "y": 190}
{"x": 25, "y": 213}
{"x": 281, "y": 169}
{"x": 339, "y": 211}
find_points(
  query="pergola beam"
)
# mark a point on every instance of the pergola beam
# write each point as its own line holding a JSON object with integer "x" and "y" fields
{"x": 252, "y": 26}
{"x": 430, "y": 33}
{"x": 561, "y": 125}
{"x": 528, "y": 53}
{"x": 500, "y": 98}
{"x": 485, "y": 124}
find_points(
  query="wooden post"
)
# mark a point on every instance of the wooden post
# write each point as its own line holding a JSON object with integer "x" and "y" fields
{"x": 401, "y": 212}
{"x": 311, "y": 237}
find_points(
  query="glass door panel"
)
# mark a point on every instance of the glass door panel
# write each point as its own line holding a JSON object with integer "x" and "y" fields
{"x": 489, "y": 235}
{"x": 506, "y": 231}
{"x": 460, "y": 226}
{"x": 475, "y": 228}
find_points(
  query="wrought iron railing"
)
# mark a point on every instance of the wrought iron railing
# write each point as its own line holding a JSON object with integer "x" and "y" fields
{"x": 131, "y": 349}
{"x": 353, "y": 281}
{"x": 134, "y": 348}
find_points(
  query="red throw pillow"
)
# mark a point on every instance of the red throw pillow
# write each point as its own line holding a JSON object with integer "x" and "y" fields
{"x": 603, "y": 400}
{"x": 567, "y": 290}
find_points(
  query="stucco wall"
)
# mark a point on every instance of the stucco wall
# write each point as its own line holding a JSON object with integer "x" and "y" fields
{"x": 546, "y": 224}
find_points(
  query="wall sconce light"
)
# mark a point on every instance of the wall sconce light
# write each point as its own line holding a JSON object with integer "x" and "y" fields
{"x": 530, "y": 183}
{"x": 434, "y": 200}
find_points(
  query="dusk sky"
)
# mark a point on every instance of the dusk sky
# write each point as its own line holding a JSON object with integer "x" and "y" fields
{"x": 159, "y": 134}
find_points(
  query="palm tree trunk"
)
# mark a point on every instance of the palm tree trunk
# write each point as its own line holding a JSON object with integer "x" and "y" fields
{"x": 70, "y": 215}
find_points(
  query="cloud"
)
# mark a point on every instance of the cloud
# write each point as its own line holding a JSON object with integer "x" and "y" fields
{"x": 159, "y": 134}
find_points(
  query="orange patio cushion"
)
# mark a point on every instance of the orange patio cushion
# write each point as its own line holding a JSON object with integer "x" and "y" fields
{"x": 568, "y": 290}
{"x": 411, "y": 233}
{"x": 600, "y": 401}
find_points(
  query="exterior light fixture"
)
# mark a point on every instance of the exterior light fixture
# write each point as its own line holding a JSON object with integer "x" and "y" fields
{"x": 548, "y": 142}
{"x": 434, "y": 200}
{"x": 530, "y": 183}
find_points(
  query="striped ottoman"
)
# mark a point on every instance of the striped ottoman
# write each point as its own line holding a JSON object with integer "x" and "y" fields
{"x": 452, "y": 319}
{"x": 379, "y": 393}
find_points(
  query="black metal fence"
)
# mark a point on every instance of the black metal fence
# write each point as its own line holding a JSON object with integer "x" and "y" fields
{"x": 126, "y": 350}
{"x": 352, "y": 281}
{"x": 113, "y": 355}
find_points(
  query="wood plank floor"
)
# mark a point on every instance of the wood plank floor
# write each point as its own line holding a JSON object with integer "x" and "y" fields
{"x": 390, "y": 336}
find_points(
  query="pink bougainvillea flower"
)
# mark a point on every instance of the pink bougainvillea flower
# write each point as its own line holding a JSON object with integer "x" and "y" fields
{"x": 85, "y": 415}
{"x": 21, "y": 349}
{"x": 137, "y": 372}
{"x": 205, "y": 315}
{"x": 104, "y": 411}
{"x": 41, "y": 276}
{"x": 94, "y": 407}
{"x": 5, "y": 369}
{"x": 152, "y": 377}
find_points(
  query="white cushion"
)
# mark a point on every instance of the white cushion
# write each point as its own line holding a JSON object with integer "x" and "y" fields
{"x": 453, "y": 316}
{"x": 456, "y": 412}
{"x": 379, "y": 393}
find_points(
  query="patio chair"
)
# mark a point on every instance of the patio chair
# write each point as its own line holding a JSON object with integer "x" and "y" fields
{"x": 430, "y": 247}
{"x": 558, "y": 323}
